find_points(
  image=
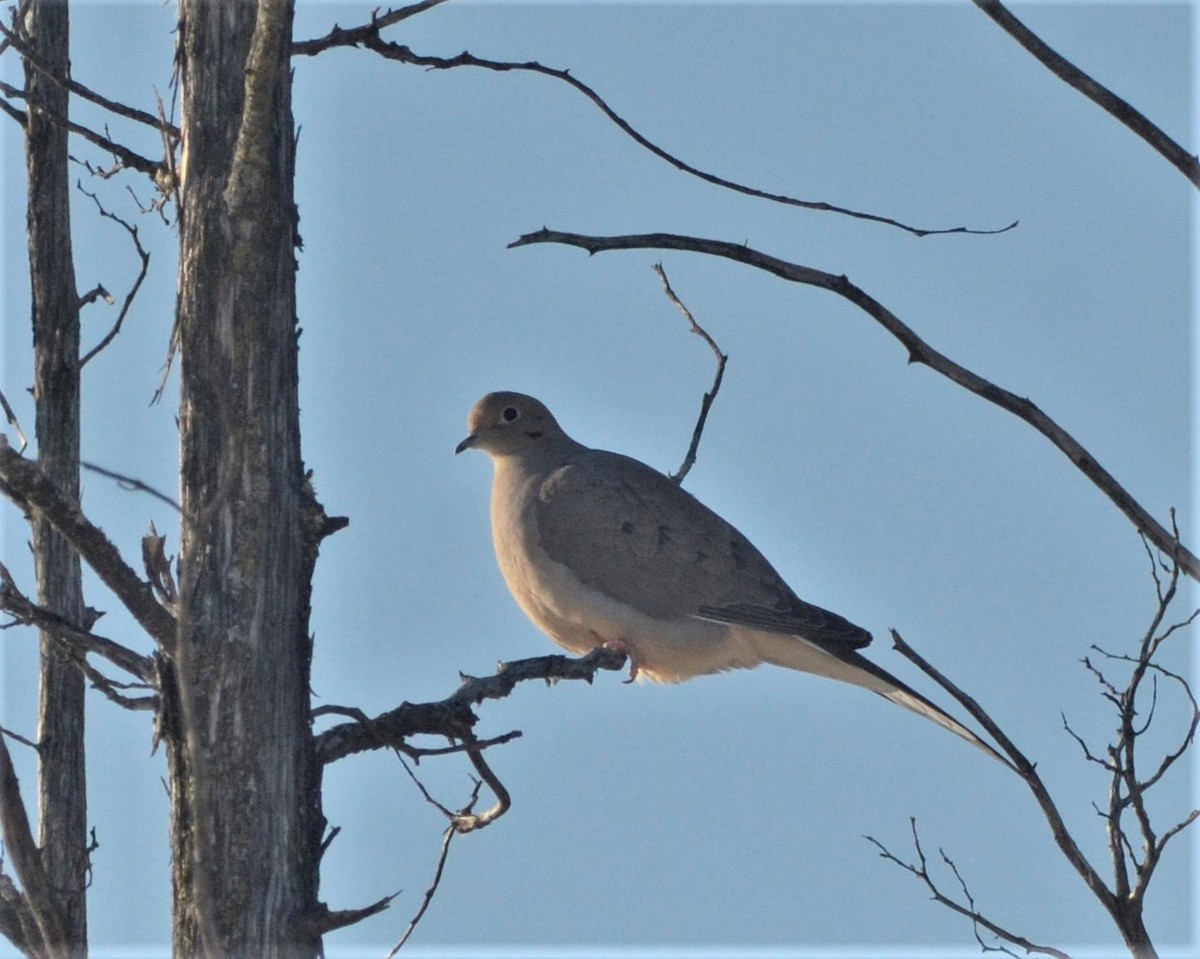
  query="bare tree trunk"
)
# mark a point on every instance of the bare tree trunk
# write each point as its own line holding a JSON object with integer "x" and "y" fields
{"x": 246, "y": 819}
{"x": 62, "y": 785}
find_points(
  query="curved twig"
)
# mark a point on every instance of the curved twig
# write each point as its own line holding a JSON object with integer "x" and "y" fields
{"x": 368, "y": 36}
{"x": 143, "y": 256}
{"x": 689, "y": 460}
{"x": 920, "y": 869}
{"x": 918, "y": 352}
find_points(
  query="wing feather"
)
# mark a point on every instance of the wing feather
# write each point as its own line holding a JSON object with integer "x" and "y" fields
{"x": 636, "y": 536}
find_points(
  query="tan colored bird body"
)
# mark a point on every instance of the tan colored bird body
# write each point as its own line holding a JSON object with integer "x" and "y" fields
{"x": 600, "y": 549}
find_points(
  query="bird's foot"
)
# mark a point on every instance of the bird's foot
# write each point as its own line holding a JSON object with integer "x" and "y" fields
{"x": 620, "y": 646}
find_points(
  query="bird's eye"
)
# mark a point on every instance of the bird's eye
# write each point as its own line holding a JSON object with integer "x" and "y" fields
{"x": 510, "y": 413}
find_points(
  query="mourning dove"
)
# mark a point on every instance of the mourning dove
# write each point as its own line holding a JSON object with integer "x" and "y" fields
{"x": 601, "y": 549}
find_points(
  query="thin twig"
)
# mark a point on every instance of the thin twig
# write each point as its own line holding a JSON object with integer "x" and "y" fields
{"x": 918, "y": 352}
{"x": 447, "y": 838}
{"x": 131, "y": 484}
{"x": 13, "y": 422}
{"x": 468, "y": 821}
{"x": 19, "y": 738}
{"x": 1026, "y": 770}
{"x": 689, "y": 460}
{"x": 143, "y": 256}
{"x": 920, "y": 869}
{"x": 80, "y": 90}
{"x": 368, "y": 36}
{"x": 1115, "y": 106}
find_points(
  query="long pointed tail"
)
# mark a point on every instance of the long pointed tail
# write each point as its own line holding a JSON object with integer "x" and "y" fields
{"x": 847, "y": 666}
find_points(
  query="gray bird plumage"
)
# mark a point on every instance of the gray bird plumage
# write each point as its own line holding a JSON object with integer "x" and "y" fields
{"x": 600, "y": 549}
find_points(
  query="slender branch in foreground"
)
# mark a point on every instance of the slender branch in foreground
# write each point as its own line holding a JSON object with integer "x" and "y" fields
{"x": 24, "y": 482}
{"x": 920, "y": 869}
{"x": 918, "y": 352}
{"x": 368, "y": 36}
{"x": 1123, "y": 111}
{"x": 690, "y": 459}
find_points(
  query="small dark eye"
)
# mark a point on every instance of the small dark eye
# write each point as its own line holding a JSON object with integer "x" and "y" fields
{"x": 510, "y": 413}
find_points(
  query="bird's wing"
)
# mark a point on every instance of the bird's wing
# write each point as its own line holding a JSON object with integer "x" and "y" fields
{"x": 631, "y": 533}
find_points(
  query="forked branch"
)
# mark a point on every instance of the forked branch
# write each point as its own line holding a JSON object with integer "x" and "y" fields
{"x": 1135, "y": 844}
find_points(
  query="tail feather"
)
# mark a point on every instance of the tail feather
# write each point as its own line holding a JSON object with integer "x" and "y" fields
{"x": 847, "y": 666}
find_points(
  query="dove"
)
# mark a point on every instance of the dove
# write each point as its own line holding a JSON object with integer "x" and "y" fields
{"x": 600, "y": 549}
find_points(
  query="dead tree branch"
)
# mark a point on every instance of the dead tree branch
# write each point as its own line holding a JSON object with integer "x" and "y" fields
{"x": 78, "y": 638}
{"x": 356, "y": 36}
{"x": 143, "y": 256}
{"x": 81, "y": 90}
{"x": 453, "y": 715}
{"x": 920, "y": 869}
{"x": 131, "y": 484}
{"x": 50, "y": 924}
{"x": 1136, "y": 850}
{"x": 24, "y": 483}
{"x": 918, "y": 352}
{"x": 368, "y": 36}
{"x": 689, "y": 460}
{"x": 1186, "y": 163}
{"x": 13, "y": 421}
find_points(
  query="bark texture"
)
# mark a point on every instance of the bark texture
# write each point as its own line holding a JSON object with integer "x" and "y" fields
{"x": 62, "y": 784}
{"x": 246, "y": 820}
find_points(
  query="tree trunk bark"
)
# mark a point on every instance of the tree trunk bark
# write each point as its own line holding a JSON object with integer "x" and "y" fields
{"x": 62, "y": 784}
{"x": 246, "y": 817}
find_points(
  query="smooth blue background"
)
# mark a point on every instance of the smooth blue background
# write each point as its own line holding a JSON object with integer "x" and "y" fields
{"x": 728, "y": 813}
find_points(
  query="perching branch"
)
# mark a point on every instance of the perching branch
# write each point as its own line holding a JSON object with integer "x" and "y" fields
{"x": 453, "y": 715}
{"x": 24, "y": 483}
{"x": 918, "y": 352}
{"x": 690, "y": 459}
{"x": 368, "y": 36}
{"x": 1176, "y": 155}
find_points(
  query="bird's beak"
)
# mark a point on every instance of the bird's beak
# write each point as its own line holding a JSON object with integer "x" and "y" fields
{"x": 465, "y": 444}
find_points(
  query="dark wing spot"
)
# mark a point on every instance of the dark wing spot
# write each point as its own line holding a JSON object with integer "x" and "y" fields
{"x": 627, "y": 528}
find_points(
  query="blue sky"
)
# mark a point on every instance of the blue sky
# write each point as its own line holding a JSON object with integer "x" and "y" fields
{"x": 729, "y": 811}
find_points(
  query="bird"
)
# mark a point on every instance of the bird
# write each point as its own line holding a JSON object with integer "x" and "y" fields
{"x": 600, "y": 549}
